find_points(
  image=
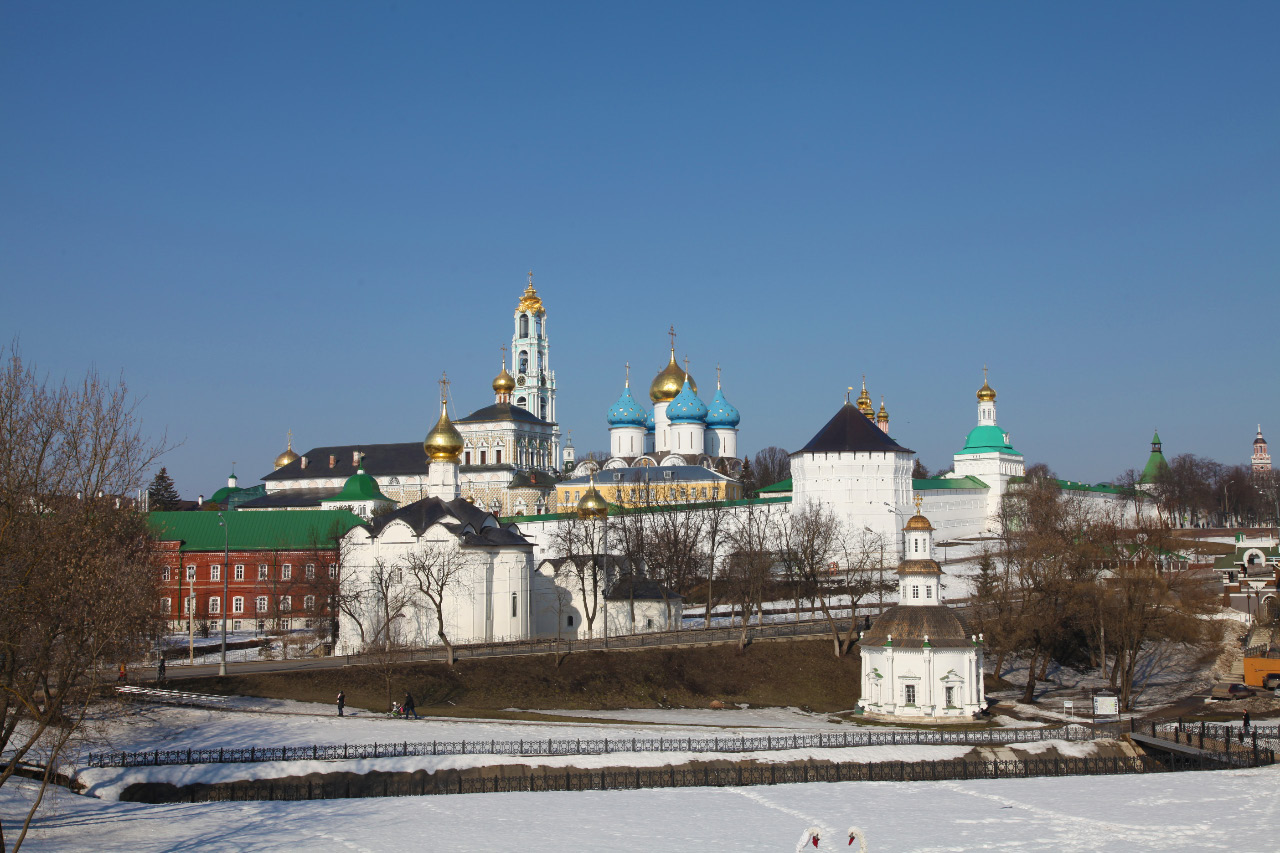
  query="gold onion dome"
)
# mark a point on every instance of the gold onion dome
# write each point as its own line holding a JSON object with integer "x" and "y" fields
{"x": 444, "y": 442}
{"x": 864, "y": 400}
{"x": 667, "y": 384}
{"x": 288, "y": 456}
{"x": 986, "y": 394}
{"x": 882, "y": 416}
{"x": 592, "y": 504}
{"x": 504, "y": 384}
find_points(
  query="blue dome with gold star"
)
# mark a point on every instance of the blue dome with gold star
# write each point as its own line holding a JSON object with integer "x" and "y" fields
{"x": 722, "y": 414}
{"x": 626, "y": 412}
{"x": 686, "y": 408}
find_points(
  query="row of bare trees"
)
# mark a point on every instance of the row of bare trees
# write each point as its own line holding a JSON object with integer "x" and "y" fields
{"x": 77, "y": 581}
{"x": 1067, "y": 581}
{"x": 742, "y": 556}
{"x": 1193, "y": 491}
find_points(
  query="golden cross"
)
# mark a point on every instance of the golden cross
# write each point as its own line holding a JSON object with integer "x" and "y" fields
{"x": 444, "y": 386}
{"x": 919, "y": 500}
{"x": 984, "y": 374}
{"x": 291, "y": 439}
{"x": 686, "y": 366}
{"x": 672, "y": 333}
{"x": 530, "y": 279}
{"x": 848, "y": 393}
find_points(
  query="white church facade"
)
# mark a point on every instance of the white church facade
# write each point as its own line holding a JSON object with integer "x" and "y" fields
{"x": 918, "y": 662}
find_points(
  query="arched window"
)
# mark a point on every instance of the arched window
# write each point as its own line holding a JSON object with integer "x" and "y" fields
{"x": 520, "y": 401}
{"x": 537, "y": 325}
{"x": 524, "y": 325}
{"x": 524, "y": 361}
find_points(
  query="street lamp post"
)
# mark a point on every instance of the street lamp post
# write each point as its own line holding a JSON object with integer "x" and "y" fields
{"x": 226, "y": 570}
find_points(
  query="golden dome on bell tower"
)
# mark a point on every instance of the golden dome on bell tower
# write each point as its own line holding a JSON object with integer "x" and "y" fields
{"x": 882, "y": 416}
{"x": 530, "y": 301}
{"x": 986, "y": 394}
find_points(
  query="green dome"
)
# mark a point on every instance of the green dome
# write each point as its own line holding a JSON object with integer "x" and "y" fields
{"x": 988, "y": 439}
{"x": 359, "y": 487}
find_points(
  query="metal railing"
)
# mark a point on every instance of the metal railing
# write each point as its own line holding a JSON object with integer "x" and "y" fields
{"x": 404, "y": 784}
{"x": 589, "y": 746}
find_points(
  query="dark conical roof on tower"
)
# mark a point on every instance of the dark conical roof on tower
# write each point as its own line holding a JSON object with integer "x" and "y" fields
{"x": 850, "y": 432}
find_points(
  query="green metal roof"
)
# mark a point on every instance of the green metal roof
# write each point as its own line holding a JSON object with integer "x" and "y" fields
{"x": 781, "y": 486}
{"x": 359, "y": 487}
{"x": 938, "y": 484}
{"x": 988, "y": 439}
{"x": 253, "y": 531}
{"x": 1156, "y": 465}
{"x": 1073, "y": 486}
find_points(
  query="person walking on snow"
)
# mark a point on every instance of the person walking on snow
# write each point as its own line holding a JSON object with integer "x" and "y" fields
{"x": 1246, "y": 720}
{"x": 409, "y": 707}
{"x": 342, "y": 701}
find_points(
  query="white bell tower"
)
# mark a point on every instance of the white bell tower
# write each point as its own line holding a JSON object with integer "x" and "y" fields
{"x": 535, "y": 389}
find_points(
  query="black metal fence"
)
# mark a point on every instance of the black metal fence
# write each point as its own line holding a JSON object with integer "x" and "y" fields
{"x": 344, "y": 786}
{"x": 1240, "y": 746}
{"x": 589, "y": 746}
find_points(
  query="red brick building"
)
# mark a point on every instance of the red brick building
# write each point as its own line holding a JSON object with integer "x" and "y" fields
{"x": 281, "y": 573}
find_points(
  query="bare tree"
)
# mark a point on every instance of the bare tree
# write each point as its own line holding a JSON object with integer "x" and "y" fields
{"x": 771, "y": 465}
{"x": 812, "y": 544}
{"x": 748, "y": 566}
{"x": 78, "y": 589}
{"x": 579, "y": 543}
{"x": 437, "y": 571}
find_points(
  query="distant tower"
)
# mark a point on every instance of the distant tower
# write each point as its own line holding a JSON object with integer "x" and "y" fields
{"x": 1261, "y": 458}
{"x": 987, "y": 453}
{"x": 986, "y": 402}
{"x": 882, "y": 418}
{"x": 1156, "y": 464}
{"x": 535, "y": 388}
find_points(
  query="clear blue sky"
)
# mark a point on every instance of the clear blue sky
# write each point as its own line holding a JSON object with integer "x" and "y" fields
{"x": 296, "y": 215}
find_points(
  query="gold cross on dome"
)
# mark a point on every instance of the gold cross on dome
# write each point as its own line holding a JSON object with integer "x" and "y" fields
{"x": 984, "y": 374}
{"x": 504, "y": 356}
{"x": 672, "y": 333}
{"x": 290, "y": 439}
{"x": 444, "y": 386}
{"x": 530, "y": 278}
{"x": 686, "y": 365}
{"x": 919, "y": 500}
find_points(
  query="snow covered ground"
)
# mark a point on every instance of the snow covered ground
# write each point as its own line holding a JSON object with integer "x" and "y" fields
{"x": 1231, "y": 810}
{"x": 267, "y": 722}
